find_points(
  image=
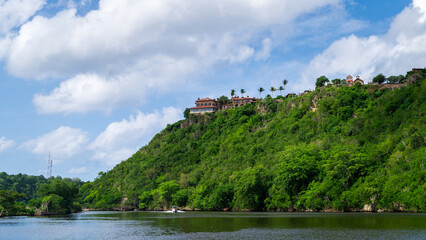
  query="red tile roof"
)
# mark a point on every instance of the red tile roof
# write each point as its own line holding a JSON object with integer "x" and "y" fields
{"x": 203, "y": 107}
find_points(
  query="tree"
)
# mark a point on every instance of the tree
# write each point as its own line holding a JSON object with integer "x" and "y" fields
{"x": 242, "y": 92}
{"x": 321, "y": 81}
{"x": 285, "y": 83}
{"x": 232, "y": 93}
{"x": 260, "y": 91}
{"x": 395, "y": 79}
{"x": 335, "y": 81}
{"x": 272, "y": 90}
{"x": 281, "y": 88}
{"x": 186, "y": 113}
{"x": 8, "y": 200}
{"x": 223, "y": 99}
{"x": 380, "y": 78}
{"x": 251, "y": 187}
{"x": 58, "y": 196}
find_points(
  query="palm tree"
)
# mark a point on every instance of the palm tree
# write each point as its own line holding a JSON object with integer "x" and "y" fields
{"x": 281, "y": 89}
{"x": 260, "y": 91}
{"x": 232, "y": 93}
{"x": 242, "y": 92}
{"x": 272, "y": 91}
{"x": 285, "y": 83}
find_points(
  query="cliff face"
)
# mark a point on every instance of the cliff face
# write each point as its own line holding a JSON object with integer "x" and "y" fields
{"x": 336, "y": 148}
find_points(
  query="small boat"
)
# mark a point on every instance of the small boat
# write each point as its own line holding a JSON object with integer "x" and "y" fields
{"x": 174, "y": 209}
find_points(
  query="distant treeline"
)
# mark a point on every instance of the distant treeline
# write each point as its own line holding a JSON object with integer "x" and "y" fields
{"x": 23, "y": 194}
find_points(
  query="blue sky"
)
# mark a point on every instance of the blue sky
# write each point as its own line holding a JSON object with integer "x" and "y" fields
{"x": 93, "y": 81}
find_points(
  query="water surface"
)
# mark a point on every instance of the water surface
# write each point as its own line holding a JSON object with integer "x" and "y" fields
{"x": 216, "y": 225}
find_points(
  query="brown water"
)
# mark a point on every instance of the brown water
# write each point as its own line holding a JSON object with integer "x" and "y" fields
{"x": 216, "y": 225}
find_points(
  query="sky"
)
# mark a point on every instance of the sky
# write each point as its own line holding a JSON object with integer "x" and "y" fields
{"x": 92, "y": 81}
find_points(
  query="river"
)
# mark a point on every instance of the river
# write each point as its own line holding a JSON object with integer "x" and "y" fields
{"x": 216, "y": 225}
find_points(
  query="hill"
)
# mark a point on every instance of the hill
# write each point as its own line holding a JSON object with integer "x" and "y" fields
{"x": 337, "y": 148}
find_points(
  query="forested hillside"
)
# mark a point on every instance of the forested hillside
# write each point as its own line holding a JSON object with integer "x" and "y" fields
{"x": 339, "y": 147}
{"x": 23, "y": 194}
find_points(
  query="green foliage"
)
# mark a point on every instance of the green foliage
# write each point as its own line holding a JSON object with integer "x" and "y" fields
{"x": 223, "y": 100}
{"x": 339, "y": 147}
{"x": 9, "y": 204}
{"x": 33, "y": 189}
{"x": 251, "y": 186}
{"x": 321, "y": 81}
{"x": 59, "y": 196}
{"x": 395, "y": 79}
{"x": 186, "y": 113}
{"x": 380, "y": 78}
{"x": 336, "y": 81}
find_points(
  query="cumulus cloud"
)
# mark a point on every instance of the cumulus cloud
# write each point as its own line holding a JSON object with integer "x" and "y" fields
{"x": 135, "y": 44}
{"x": 121, "y": 139}
{"x": 63, "y": 143}
{"x": 393, "y": 53}
{"x": 265, "y": 52}
{"x": 16, "y": 12}
{"x": 6, "y": 144}
{"x": 90, "y": 92}
{"x": 421, "y": 6}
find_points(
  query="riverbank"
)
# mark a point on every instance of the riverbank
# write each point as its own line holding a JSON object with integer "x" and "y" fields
{"x": 367, "y": 208}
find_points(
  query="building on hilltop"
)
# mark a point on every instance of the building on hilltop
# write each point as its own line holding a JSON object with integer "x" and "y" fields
{"x": 204, "y": 105}
{"x": 358, "y": 80}
{"x": 208, "y": 105}
{"x": 350, "y": 81}
{"x": 240, "y": 101}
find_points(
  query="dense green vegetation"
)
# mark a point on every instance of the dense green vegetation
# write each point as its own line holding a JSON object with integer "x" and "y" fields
{"x": 339, "y": 147}
{"x": 27, "y": 195}
{"x": 336, "y": 148}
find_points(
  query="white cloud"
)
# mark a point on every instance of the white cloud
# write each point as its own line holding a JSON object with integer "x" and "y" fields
{"x": 5, "y": 144}
{"x": 90, "y": 92}
{"x": 421, "y": 6}
{"x": 16, "y": 12}
{"x": 121, "y": 139}
{"x": 394, "y": 53}
{"x": 265, "y": 52}
{"x": 62, "y": 143}
{"x": 129, "y": 45}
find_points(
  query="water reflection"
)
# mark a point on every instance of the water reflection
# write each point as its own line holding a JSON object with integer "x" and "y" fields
{"x": 215, "y": 225}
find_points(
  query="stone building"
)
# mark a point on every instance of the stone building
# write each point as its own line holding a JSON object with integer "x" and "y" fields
{"x": 208, "y": 105}
{"x": 204, "y": 105}
{"x": 240, "y": 101}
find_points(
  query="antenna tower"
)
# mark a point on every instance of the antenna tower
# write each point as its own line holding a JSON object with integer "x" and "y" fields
{"x": 49, "y": 167}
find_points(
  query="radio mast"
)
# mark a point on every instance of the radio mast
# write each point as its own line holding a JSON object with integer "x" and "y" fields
{"x": 49, "y": 166}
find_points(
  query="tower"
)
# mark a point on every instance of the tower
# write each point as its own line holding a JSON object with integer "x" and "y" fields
{"x": 49, "y": 167}
{"x": 349, "y": 80}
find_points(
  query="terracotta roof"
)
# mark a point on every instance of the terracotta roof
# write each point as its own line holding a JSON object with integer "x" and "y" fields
{"x": 203, "y": 107}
